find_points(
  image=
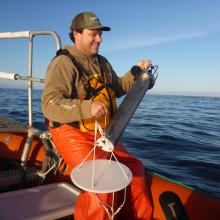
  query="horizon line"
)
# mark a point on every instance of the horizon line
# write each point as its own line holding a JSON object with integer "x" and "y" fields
{"x": 177, "y": 93}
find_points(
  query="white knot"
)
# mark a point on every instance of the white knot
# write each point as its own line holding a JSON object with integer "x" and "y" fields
{"x": 105, "y": 144}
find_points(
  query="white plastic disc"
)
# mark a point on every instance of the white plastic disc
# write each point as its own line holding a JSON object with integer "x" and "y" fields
{"x": 108, "y": 176}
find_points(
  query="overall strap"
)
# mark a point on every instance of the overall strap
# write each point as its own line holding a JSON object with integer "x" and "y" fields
{"x": 91, "y": 92}
{"x": 78, "y": 65}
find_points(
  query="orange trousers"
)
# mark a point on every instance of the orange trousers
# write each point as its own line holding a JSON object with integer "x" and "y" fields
{"x": 74, "y": 145}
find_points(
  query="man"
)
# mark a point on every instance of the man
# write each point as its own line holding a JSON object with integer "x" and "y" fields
{"x": 81, "y": 87}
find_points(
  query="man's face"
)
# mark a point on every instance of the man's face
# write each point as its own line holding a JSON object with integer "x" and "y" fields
{"x": 88, "y": 41}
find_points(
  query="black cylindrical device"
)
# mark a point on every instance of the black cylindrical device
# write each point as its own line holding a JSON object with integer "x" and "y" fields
{"x": 143, "y": 82}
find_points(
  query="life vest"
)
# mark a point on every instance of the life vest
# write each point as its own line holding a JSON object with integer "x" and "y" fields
{"x": 105, "y": 95}
{"x": 97, "y": 88}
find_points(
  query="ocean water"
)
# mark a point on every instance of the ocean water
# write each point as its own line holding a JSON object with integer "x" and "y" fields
{"x": 178, "y": 136}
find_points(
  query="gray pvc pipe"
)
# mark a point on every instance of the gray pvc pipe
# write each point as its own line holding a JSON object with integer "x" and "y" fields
{"x": 119, "y": 122}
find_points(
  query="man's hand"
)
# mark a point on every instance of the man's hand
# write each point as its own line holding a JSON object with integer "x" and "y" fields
{"x": 143, "y": 64}
{"x": 98, "y": 109}
{"x": 141, "y": 67}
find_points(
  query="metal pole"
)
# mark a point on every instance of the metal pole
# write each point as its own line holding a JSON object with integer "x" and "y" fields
{"x": 30, "y": 136}
{"x": 30, "y": 83}
{"x": 127, "y": 108}
{"x": 52, "y": 33}
{"x": 28, "y": 34}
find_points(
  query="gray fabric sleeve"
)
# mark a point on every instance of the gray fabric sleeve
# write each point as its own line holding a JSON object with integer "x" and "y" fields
{"x": 60, "y": 100}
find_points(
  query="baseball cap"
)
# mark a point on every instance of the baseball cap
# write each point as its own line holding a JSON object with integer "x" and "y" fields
{"x": 87, "y": 20}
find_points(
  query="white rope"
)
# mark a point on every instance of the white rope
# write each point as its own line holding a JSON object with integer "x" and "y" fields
{"x": 110, "y": 209}
{"x": 105, "y": 207}
{"x": 93, "y": 162}
{"x": 119, "y": 165}
{"x": 43, "y": 175}
{"x": 120, "y": 207}
{"x": 47, "y": 135}
{"x": 87, "y": 156}
{"x": 105, "y": 141}
{"x": 105, "y": 144}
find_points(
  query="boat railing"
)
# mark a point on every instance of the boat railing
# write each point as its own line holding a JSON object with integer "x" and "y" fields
{"x": 29, "y": 77}
{"x": 15, "y": 76}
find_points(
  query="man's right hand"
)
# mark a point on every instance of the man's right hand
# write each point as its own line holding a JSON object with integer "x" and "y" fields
{"x": 98, "y": 109}
{"x": 144, "y": 64}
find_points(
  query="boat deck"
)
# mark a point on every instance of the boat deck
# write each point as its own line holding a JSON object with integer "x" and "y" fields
{"x": 8, "y": 125}
{"x": 46, "y": 202}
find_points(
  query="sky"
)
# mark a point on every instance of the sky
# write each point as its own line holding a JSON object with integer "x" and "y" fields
{"x": 181, "y": 37}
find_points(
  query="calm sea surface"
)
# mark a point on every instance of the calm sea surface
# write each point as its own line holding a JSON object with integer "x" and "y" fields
{"x": 178, "y": 136}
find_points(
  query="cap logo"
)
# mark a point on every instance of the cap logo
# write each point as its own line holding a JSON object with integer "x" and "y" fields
{"x": 94, "y": 19}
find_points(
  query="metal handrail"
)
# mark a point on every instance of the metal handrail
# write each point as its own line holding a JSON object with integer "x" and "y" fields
{"x": 14, "y": 76}
{"x": 30, "y": 34}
